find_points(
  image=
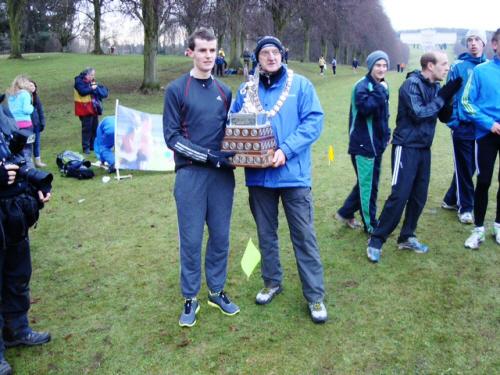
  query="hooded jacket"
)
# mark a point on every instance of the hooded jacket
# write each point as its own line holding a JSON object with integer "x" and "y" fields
{"x": 418, "y": 110}
{"x": 369, "y": 130}
{"x": 481, "y": 97}
{"x": 462, "y": 128}
{"x": 296, "y": 126}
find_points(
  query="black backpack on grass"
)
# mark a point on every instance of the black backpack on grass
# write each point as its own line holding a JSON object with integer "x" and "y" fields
{"x": 73, "y": 164}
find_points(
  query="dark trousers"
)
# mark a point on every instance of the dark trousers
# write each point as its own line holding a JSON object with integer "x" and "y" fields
{"x": 363, "y": 196}
{"x": 488, "y": 148}
{"x": 15, "y": 268}
{"x": 89, "y": 130}
{"x": 461, "y": 191}
{"x": 299, "y": 212}
{"x": 220, "y": 70}
{"x": 334, "y": 68}
{"x": 203, "y": 195}
{"x": 411, "y": 169}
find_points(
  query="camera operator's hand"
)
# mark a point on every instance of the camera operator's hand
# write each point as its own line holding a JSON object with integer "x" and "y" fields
{"x": 8, "y": 174}
{"x": 220, "y": 159}
{"x": 450, "y": 89}
{"x": 44, "y": 198}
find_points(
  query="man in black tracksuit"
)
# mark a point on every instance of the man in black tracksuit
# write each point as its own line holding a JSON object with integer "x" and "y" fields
{"x": 421, "y": 101}
{"x": 194, "y": 123}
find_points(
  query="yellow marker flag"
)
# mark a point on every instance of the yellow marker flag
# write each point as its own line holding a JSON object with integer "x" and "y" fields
{"x": 331, "y": 154}
{"x": 250, "y": 259}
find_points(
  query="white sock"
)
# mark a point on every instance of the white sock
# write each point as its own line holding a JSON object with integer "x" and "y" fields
{"x": 497, "y": 225}
{"x": 480, "y": 228}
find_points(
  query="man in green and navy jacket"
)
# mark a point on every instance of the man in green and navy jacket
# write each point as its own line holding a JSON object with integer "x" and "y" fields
{"x": 369, "y": 135}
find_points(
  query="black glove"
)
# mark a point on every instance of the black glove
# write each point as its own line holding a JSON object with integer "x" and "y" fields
{"x": 450, "y": 89}
{"x": 220, "y": 159}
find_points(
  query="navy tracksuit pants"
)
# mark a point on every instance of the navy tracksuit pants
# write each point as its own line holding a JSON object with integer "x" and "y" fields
{"x": 411, "y": 169}
{"x": 89, "y": 130}
{"x": 363, "y": 196}
{"x": 488, "y": 148}
{"x": 203, "y": 195}
{"x": 461, "y": 191}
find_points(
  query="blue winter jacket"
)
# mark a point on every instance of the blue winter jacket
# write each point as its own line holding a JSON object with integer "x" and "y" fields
{"x": 105, "y": 140}
{"x": 418, "y": 110}
{"x": 369, "y": 130}
{"x": 481, "y": 97}
{"x": 20, "y": 105}
{"x": 462, "y": 129}
{"x": 296, "y": 126}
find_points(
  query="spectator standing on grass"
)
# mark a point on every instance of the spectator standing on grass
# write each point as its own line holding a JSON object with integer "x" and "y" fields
{"x": 481, "y": 105}
{"x": 88, "y": 95}
{"x": 21, "y": 106}
{"x": 19, "y": 210}
{"x": 219, "y": 64}
{"x": 334, "y": 66}
{"x": 194, "y": 122}
{"x": 296, "y": 116}
{"x": 355, "y": 64}
{"x": 421, "y": 102}
{"x": 38, "y": 120}
{"x": 460, "y": 195}
{"x": 369, "y": 135}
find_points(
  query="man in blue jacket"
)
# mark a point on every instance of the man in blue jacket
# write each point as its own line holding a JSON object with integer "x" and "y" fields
{"x": 296, "y": 116}
{"x": 194, "y": 123}
{"x": 369, "y": 135}
{"x": 481, "y": 105}
{"x": 421, "y": 101}
{"x": 460, "y": 195}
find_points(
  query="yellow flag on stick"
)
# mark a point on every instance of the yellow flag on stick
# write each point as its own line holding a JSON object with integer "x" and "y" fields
{"x": 250, "y": 259}
{"x": 331, "y": 154}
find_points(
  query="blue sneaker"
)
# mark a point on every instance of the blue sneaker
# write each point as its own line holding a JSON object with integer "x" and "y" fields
{"x": 27, "y": 337}
{"x": 373, "y": 254}
{"x": 188, "y": 316}
{"x": 223, "y": 303}
{"x": 412, "y": 244}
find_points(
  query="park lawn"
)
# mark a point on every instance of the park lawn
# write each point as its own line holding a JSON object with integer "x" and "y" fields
{"x": 105, "y": 261}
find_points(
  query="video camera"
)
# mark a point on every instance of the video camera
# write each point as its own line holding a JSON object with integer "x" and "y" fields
{"x": 11, "y": 153}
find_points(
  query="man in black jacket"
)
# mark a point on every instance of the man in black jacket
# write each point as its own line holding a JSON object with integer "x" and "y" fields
{"x": 421, "y": 102}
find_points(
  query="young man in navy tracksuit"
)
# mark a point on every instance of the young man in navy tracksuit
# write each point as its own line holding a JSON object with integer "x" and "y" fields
{"x": 460, "y": 195}
{"x": 481, "y": 105}
{"x": 369, "y": 135}
{"x": 194, "y": 122}
{"x": 421, "y": 101}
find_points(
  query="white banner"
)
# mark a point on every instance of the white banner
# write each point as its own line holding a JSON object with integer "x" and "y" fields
{"x": 139, "y": 142}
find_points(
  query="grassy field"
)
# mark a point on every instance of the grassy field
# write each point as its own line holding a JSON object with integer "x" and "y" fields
{"x": 105, "y": 262}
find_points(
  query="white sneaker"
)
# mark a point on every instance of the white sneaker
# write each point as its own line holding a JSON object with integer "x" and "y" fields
{"x": 475, "y": 239}
{"x": 465, "y": 218}
{"x": 496, "y": 233}
{"x": 318, "y": 312}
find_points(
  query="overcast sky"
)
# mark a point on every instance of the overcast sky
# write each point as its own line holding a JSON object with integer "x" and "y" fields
{"x": 417, "y": 14}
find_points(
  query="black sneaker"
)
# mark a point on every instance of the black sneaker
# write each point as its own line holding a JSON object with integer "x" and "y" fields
{"x": 28, "y": 338}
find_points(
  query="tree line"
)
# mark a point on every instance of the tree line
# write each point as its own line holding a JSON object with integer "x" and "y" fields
{"x": 343, "y": 29}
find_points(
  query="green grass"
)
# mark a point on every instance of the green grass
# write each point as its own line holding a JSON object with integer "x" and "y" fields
{"x": 105, "y": 271}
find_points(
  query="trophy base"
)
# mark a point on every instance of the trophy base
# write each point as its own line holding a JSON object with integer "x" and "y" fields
{"x": 254, "y": 159}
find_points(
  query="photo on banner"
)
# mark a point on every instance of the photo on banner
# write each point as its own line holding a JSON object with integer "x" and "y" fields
{"x": 139, "y": 142}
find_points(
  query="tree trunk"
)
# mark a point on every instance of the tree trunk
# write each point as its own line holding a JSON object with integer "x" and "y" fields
{"x": 150, "y": 20}
{"x": 15, "y": 11}
{"x": 307, "y": 43}
{"x": 97, "y": 28}
{"x": 235, "y": 9}
{"x": 324, "y": 47}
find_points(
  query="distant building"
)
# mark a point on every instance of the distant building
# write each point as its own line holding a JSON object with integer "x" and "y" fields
{"x": 428, "y": 38}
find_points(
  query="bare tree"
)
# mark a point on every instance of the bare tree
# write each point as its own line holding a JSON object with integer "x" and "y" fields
{"x": 94, "y": 10}
{"x": 191, "y": 13}
{"x": 151, "y": 13}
